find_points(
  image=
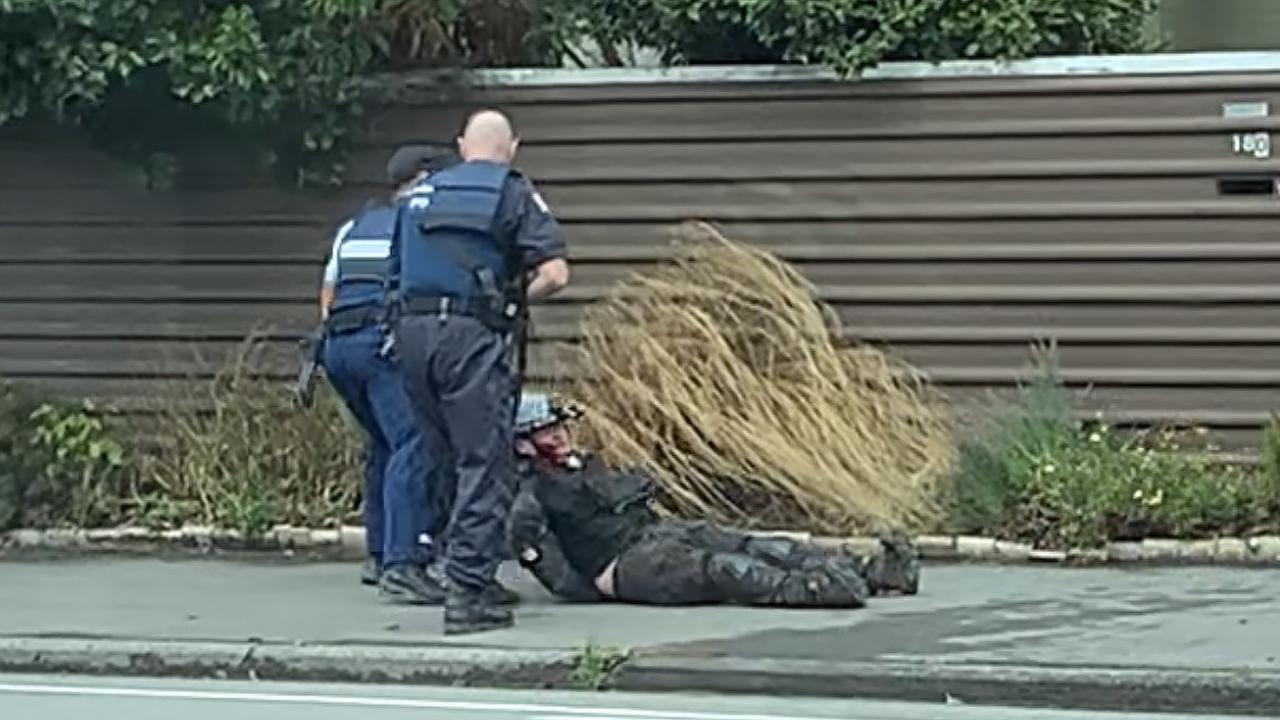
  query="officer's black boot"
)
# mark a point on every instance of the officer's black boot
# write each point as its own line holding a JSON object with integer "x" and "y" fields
{"x": 467, "y": 612}
{"x": 497, "y": 593}
{"x": 371, "y": 573}
{"x": 897, "y": 568}
{"x": 500, "y": 594}
{"x": 409, "y": 584}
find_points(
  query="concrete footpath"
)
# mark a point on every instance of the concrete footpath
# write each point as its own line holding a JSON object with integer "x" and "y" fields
{"x": 1185, "y": 639}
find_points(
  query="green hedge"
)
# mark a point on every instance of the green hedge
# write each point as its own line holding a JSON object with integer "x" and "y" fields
{"x": 277, "y": 79}
{"x": 854, "y": 34}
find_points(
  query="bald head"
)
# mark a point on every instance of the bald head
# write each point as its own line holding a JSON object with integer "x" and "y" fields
{"x": 488, "y": 135}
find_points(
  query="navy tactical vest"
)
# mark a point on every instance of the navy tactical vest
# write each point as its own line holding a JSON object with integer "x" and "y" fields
{"x": 364, "y": 259}
{"x": 448, "y": 243}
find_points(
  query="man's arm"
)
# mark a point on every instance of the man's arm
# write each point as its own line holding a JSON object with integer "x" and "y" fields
{"x": 541, "y": 243}
{"x": 539, "y": 552}
{"x": 330, "y": 279}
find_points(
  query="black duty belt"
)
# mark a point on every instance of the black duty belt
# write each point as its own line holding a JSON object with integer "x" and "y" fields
{"x": 354, "y": 318}
{"x": 478, "y": 308}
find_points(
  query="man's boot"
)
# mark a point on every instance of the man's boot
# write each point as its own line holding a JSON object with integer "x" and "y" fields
{"x": 467, "y": 612}
{"x": 497, "y": 593}
{"x": 409, "y": 584}
{"x": 371, "y": 573}
{"x": 897, "y": 568}
{"x": 500, "y": 594}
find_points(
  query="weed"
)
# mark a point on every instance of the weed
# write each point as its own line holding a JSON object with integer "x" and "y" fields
{"x": 595, "y": 666}
{"x": 239, "y": 455}
{"x": 60, "y": 464}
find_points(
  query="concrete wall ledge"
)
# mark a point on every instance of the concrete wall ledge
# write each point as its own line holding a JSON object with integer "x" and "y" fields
{"x": 348, "y": 542}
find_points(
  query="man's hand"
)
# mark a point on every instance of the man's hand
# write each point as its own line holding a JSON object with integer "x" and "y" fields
{"x": 548, "y": 279}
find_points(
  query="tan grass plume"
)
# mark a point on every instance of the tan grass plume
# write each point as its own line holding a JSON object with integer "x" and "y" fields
{"x": 719, "y": 372}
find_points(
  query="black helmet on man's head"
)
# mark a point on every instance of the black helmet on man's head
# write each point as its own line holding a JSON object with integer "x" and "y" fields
{"x": 408, "y": 161}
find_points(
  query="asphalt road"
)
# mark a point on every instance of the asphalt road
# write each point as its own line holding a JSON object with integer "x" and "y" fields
{"x": 50, "y": 698}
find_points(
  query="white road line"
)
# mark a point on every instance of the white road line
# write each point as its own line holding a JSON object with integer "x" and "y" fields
{"x": 548, "y": 711}
{"x": 590, "y": 717}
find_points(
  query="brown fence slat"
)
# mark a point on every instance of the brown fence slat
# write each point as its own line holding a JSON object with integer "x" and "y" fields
{"x": 227, "y": 321}
{"x": 276, "y": 282}
{"x": 1205, "y": 153}
{"x": 122, "y": 243}
{"x": 799, "y": 116}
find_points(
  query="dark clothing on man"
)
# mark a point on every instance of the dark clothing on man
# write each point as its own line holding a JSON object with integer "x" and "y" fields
{"x": 466, "y": 238}
{"x": 568, "y": 526}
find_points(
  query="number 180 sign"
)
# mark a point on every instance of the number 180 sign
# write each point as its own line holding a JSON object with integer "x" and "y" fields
{"x": 1257, "y": 143}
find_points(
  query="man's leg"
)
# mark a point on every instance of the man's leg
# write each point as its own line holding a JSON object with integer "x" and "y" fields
{"x": 668, "y": 567}
{"x": 347, "y": 374}
{"x": 408, "y": 475}
{"x": 474, "y": 375}
{"x": 895, "y": 569}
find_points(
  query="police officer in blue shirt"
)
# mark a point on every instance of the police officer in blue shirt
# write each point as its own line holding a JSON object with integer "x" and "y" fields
{"x": 396, "y": 508}
{"x": 475, "y": 243}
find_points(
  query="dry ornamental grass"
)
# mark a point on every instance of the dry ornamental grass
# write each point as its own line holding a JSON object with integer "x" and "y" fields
{"x": 719, "y": 373}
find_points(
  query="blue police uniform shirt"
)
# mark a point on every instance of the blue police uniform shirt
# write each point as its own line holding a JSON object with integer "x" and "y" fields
{"x": 523, "y": 213}
{"x": 516, "y": 215}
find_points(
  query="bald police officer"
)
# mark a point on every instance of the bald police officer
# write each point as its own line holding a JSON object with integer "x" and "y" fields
{"x": 474, "y": 243}
{"x": 396, "y": 508}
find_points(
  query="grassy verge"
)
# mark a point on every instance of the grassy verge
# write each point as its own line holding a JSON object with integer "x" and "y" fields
{"x": 1032, "y": 471}
{"x": 236, "y": 454}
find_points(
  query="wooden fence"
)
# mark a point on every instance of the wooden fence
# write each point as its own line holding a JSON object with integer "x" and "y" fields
{"x": 956, "y": 213}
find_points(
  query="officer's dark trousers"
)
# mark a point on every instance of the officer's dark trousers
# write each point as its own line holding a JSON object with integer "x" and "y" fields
{"x": 397, "y": 472}
{"x": 461, "y": 378}
{"x": 693, "y": 563}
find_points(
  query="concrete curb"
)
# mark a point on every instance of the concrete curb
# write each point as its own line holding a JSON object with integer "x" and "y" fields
{"x": 1077, "y": 688}
{"x": 260, "y": 661}
{"x": 349, "y": 542}
{"x": 346, "y": 541}
{"x": 1117, "y": 689}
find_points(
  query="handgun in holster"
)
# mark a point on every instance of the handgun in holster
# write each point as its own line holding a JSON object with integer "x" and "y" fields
{"x": 513, "y": 311}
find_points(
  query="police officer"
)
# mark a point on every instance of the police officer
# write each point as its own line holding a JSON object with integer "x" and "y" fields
{"x": 396, "y": 509}
{"x": 475, "y": 243}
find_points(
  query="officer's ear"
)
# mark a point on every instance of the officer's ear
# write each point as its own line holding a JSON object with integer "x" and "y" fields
{"x": 515, "y": 145}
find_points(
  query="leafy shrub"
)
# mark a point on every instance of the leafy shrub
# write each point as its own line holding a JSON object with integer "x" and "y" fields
{"x": 1033, "y": 472}
{"x": 854, "y": 34}
{"x": 149, "y": 77}
{"x": 59, "y": 464}
{"x": 1270, "y": 459}
{"x": 15, "y": 412}
{"x": 238, "y": 454}
{"x": 990, "y": 469}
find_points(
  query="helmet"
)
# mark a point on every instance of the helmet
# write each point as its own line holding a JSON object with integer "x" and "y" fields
{"x": 540, "y": 410}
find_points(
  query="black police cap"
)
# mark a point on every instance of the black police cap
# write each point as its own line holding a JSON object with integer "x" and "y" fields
{"x": 408, "y": 161}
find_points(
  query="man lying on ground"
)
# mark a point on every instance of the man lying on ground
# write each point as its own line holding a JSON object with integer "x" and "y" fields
{"x": 590, "y": 534}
